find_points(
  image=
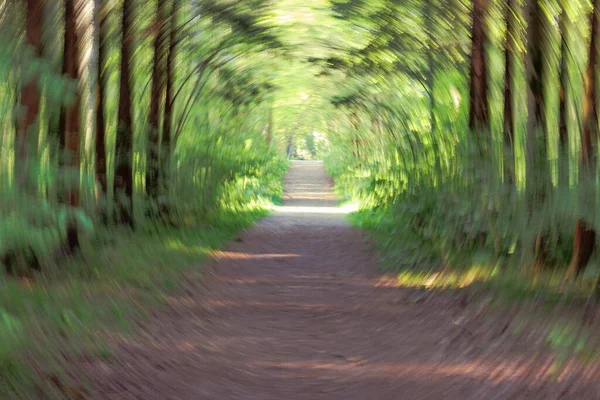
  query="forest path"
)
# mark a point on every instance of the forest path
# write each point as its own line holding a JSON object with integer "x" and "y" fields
{"x": 295, "y": 309}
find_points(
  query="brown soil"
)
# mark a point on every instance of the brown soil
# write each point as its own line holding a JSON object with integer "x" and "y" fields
{"x": 295, "y": 309}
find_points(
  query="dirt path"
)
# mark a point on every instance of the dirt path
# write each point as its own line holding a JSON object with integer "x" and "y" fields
{"x": 294, "y": 311}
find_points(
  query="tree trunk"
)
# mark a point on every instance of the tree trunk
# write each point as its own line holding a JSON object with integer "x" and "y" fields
{"x": 534, "y": 68}
{"x": 70, "y": 114}
{"x": 509, "y": 48}
{"x": 70, "y": 132}
{"x": 563, "y": 76}
{"x": 30, "y": 93}
{"x": 123, "y": 184}
{"x": 158, "y": 72}
{"x": 100, "y": 141}
{"x": 479, "y": 118}
{"x": 585, "y": 236}
{"x": 166, "y": 146}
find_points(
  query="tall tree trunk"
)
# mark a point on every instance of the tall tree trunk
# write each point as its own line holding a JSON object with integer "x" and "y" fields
{"x": 509, "y": 49}
{"x": 100, "y": 141}
{"x": 123, "y": 184}
{"x": 585, "y": 236}
{"x": 166, "y": 147}
{"x": 70, "y": 133}
{"x": 30, "y": 93}
{"x": 479, "y": 118}
{"x": 534, "y": 68}
{"x": 563, "y": 77}
{"x": 70, "y": 114}
{"x": 535, "y": 114}
{"x": 158, "y": 71}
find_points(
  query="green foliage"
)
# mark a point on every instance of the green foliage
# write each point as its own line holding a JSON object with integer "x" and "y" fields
{"x": 379, "y": 89}
{"x": 69, "y": 269}
{"x": 439, "y": 195}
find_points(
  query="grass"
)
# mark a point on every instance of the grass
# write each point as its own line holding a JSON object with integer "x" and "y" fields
{"x": 417, "y": 262}
{"x": 116, "y": 279}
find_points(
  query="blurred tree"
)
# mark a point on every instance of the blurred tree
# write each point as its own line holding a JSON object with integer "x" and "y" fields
{"x": 123, "y": 181}
{"x": 479, "y": 118}
{"x": 585, "y": 236}
{"x": 30, "y": 91}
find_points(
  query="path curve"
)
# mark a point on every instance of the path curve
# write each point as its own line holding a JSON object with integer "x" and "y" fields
{"x": 295, "y": 310}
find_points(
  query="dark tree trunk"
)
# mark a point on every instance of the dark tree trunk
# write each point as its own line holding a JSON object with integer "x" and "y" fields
{"x": 30, "y": 94}
{"x": 70, "y": 114}
{"x": 585, "y": 236}
{"x": 69, "y": 119}
{"x": 479, "y": 118}
{"x": 534, "y": 67}
{"x": 563, "y": 77}
{"x": 123, "y": 184}
{"x": 166, "y": 147}
{"x": 535, "y": 114}
{"x": 509, "y": 48}
{"x": 100, "y": 142}
{"x": 158, "y": 71}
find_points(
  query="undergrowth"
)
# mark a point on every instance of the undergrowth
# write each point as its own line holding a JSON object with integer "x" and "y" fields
{"x": 421, "y": 262}
{"x": 69, "y": 310}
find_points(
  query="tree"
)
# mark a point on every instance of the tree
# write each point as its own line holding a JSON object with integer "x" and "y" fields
{"x": 585, "y": 236}
{"x": 69, "y": 120}
{"x": 509, "y": 51}
{"x": 479, "y": 115}
{"x": 534, "y": 69}
{"x": 123, "y": 184}
{"x": 535, "y": 114}
{"x": 565, "y": 25}
{"x": 30, "y": 93}
{"x": 100, "y": 140}
{"x": 153, "y": 164}
{"x": 166, "y": 147}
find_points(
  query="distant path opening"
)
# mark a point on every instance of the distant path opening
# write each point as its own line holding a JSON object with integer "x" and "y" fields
{"x": 295, "y": 310}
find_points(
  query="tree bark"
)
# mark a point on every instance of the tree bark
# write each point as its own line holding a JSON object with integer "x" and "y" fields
{"x": 158, "y": 71}
{"x": 479, "y": 118}
{"x": 563, "y": 76}
{"x": 70, "y": 114}
{"x": 509, "y": 48}
{"x": 534, "y": 69}
{"x": 535, "y": 114}
{"x": 69, "y": 120}
{"x": 123, "y": 184}
{"x": 166, "y": 140}
{"x": 100, "y": 140}
{"x": 30, "y": 93}
{"x": 585, "y": 237}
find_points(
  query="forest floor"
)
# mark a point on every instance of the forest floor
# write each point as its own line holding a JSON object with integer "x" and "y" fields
{"x": 295, "y": 308}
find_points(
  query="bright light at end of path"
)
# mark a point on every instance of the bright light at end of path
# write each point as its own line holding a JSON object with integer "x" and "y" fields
{"x": 346, "y": 209}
